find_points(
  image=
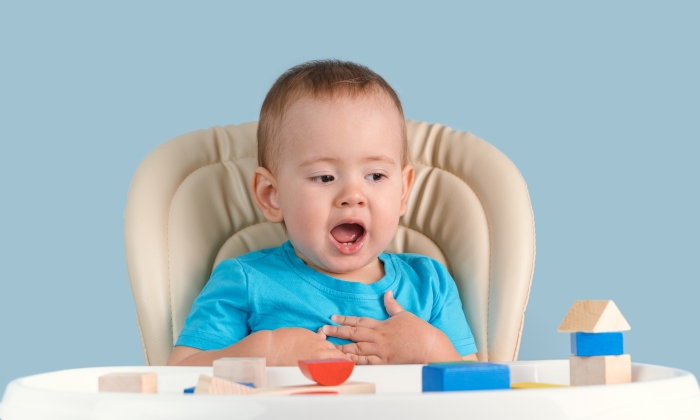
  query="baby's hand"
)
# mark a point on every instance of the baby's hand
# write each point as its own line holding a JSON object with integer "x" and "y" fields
{"x": 288, "y": 345}
{"x": 402, "y": 339}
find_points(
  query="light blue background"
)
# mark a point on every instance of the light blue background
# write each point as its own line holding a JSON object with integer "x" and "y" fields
{"x": 596, "y": 102}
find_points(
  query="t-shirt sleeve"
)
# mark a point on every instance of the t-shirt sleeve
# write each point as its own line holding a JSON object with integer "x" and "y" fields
{"x": 448, "y": 314}
{"x": 219, "y": 315}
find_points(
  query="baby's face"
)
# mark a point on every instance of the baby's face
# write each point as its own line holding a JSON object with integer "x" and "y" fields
{"x": 341, "y": 185}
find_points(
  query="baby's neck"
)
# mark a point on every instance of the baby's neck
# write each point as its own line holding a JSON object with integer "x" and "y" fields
{"x": 371, "y": 273}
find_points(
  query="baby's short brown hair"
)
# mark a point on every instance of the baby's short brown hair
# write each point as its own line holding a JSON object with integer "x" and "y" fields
{"x": 318, "y": 79}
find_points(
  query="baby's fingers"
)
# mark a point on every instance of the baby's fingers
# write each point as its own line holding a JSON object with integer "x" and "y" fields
{"x": 350, "y": 333}
{"x": 366, "y": 360}
{"x": 359, "y": 349}
{"x": 333, "y": 354}
{"x": 355, "y": 321}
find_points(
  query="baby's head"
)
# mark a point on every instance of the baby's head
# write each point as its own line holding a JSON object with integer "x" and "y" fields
{"x": 334, "y": 165}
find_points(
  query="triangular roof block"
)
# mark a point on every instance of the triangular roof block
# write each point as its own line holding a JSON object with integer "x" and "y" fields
{"x": 594, "y": 316}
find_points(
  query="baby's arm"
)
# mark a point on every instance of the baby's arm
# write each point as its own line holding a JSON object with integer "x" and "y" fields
{"x": 281, "y": 347}
{"x": 403, "y": 338}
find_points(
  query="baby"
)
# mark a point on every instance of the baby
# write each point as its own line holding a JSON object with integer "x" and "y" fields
{"x": 334, "y": 169}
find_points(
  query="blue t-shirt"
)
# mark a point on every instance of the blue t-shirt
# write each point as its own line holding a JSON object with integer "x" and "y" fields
{"x": 273, "y": 288}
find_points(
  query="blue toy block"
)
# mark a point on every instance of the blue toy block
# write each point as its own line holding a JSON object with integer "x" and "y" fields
{"x": 596, "y": 344}
{"x": 465, "y": 377}
{"x": 190, "y": 390}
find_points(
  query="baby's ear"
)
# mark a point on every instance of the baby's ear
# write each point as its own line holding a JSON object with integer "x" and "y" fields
{"x": 407, "y": 174}
{"x": 264, "y": 187}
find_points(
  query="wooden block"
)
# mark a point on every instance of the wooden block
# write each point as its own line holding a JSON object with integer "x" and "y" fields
{"x": 220, "y": 386}
{"x": 203, "y": 385}
{"x": 597, "y": 344}
{"x": 146, "y": 383}
{"x": 346, "y": 388}
{"x": 241, "y": 369}
{"x": 327, "y": 372}
{"x": 534, "y": 385}
{"x": 223, "y": 386}
{"x": 465, "y": 377}
{"x": 594, "y": 316}
{"x": 600, "y": 370}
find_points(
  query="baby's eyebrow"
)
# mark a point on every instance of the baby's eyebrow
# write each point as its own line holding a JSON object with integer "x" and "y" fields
{"x": 381, "y": 158}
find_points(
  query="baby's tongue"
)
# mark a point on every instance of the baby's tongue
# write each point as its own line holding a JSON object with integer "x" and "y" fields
{"x": 347, "y": 232}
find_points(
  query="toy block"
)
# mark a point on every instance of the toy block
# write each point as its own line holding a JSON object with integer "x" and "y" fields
{"x": 327, "y": 371}
{"x": 465, "y": 377}
{"x": 241, "y": 369}
{"x": 203, "y": 385}
{"x": 219, "y": 386}
{"x": 345, "y": 388}
{"x": 594, "y": 316}
{"x": 600, "y": 370}
{"x": 189, "y": 390}
{"x": 146, "y": 383}
{"x": 209, "y": 385}
{"x": 597, "y": 344}
{"x": 534, "y": 385}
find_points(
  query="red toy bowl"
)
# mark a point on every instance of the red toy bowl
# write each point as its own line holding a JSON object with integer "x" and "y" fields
{"x": 327, "y": 372}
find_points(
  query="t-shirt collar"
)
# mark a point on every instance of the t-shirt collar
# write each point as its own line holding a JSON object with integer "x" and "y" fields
{"x": 325, "y": 281}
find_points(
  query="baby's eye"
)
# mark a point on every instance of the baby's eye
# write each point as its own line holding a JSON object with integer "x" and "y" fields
{"x": 323, "y": 178}
{"x": 375, "y": 177}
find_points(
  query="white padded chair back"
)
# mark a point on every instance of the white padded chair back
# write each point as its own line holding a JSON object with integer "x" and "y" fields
{"x": 190, "y": 206}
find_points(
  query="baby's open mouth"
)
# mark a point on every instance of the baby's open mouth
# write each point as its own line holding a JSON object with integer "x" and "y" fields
{"x": 347, "y": 233}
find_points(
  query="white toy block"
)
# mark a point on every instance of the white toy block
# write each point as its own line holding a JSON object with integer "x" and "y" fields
{"x": 242, "y": 369}
{"x": 146, "y": 383}
{"x": 600, "y": 370}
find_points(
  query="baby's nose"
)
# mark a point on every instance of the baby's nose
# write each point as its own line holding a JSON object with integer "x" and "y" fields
{"x": 351, "y": 196}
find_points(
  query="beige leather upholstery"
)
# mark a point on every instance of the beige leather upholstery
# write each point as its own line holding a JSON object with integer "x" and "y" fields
{"x": 189, "y": 207}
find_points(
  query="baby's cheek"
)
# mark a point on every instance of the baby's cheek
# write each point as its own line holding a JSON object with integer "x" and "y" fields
{"x": 391, "y": 213}
{"x": 302, "y": 223}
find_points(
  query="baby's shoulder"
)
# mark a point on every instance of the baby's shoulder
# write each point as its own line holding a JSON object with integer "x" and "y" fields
{"x": 253, "y": 259}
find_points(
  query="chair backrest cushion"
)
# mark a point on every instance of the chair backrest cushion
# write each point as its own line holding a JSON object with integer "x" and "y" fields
{"x": 190, "y": 206}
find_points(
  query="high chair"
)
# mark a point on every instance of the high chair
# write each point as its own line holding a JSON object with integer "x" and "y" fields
{"x": 190, "y": 207}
